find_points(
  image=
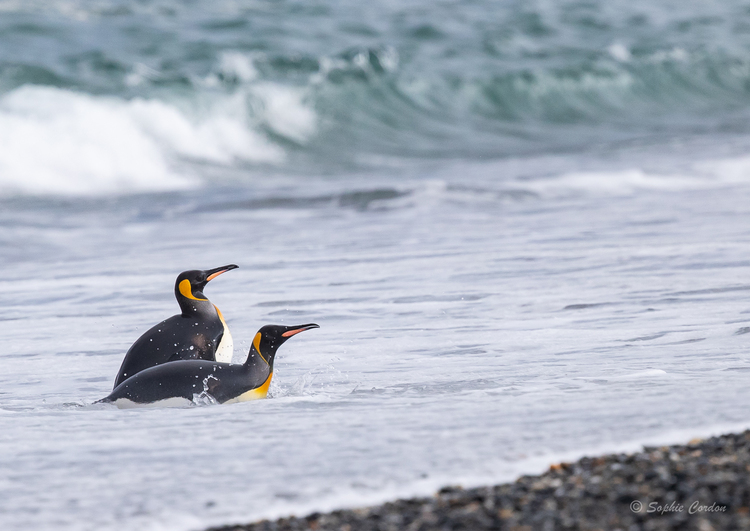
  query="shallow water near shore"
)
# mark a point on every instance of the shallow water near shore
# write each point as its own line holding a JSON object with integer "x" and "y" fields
{"x": 522, "y": 229}
{"x": 467, "y": 334}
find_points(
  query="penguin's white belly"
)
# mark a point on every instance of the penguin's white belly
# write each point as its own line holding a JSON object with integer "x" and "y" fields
{"x": 175, "y": 401}
{"x": 226, "y": 346}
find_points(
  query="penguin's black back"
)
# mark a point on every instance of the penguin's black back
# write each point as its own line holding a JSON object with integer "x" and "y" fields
{"x": 177, "y": 338}
{"x": 191, "y": 378}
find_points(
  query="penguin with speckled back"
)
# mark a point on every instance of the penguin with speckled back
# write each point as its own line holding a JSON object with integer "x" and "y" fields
{"x": 185, "y": 382}
{"x": 199, "y": 332}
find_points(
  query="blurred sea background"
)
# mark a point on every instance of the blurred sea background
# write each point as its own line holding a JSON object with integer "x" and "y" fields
{"x": 523, "y": 228}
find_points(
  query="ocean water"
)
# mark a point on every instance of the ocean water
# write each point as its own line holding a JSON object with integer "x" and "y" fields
{"x": 523, "y": 227}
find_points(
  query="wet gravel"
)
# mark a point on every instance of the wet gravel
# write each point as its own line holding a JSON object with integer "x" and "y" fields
{"x": 703, "y": 485}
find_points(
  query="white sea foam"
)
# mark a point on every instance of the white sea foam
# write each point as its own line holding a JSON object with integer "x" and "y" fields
{"x": 699, "y": 175}
{"x": 640, "y": 375}
{"x": 237, "y": 64}
{"x": 124, "y": 403}
{"x": 675, "y": 54}
{"x": 620, "y": 52}
{"x": 284, "y": 110}
{"x": 57, "y": 141}
{"x": 733, "y": 170}
{"x": 613, "y": 182}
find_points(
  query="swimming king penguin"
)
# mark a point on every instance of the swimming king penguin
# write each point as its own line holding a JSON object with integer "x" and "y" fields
{"x": 175, "y": 382}
{"x": 199, "y": 332}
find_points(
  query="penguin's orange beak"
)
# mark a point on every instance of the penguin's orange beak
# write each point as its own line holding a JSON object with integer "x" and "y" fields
{"x": 213, "y": 273}
{"x": 298, "y": 329}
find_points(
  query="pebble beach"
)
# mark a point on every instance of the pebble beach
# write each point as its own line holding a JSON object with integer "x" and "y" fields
{"x": 702, "y": 485}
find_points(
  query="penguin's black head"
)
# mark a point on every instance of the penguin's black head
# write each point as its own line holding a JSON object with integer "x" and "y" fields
{"x": 190, "y": 284}
{"x": 271, "y": 337}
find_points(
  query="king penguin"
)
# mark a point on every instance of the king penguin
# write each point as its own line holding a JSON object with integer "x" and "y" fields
{"x": 199, "y": 332}
{"x": 181, "y": 382}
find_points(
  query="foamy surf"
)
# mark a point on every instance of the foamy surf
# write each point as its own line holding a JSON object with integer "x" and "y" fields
{"x": 58, "y": 141}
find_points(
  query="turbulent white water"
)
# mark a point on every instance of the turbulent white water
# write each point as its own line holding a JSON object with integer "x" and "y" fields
{"x": 472, "y": 328}
{"x": 57, "y": 141}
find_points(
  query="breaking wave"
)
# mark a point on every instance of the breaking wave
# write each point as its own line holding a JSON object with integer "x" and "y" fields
{"x": 330, "y": 91}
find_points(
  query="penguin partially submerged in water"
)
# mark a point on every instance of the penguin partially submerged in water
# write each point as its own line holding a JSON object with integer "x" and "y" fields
{"x": 181, "y": 382}
{"x": 199, "y": 332}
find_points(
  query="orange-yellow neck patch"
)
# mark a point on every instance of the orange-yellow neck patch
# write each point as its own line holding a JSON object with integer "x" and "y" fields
{"x": 256, "y": 344}
{"x": 186, "y": 292}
